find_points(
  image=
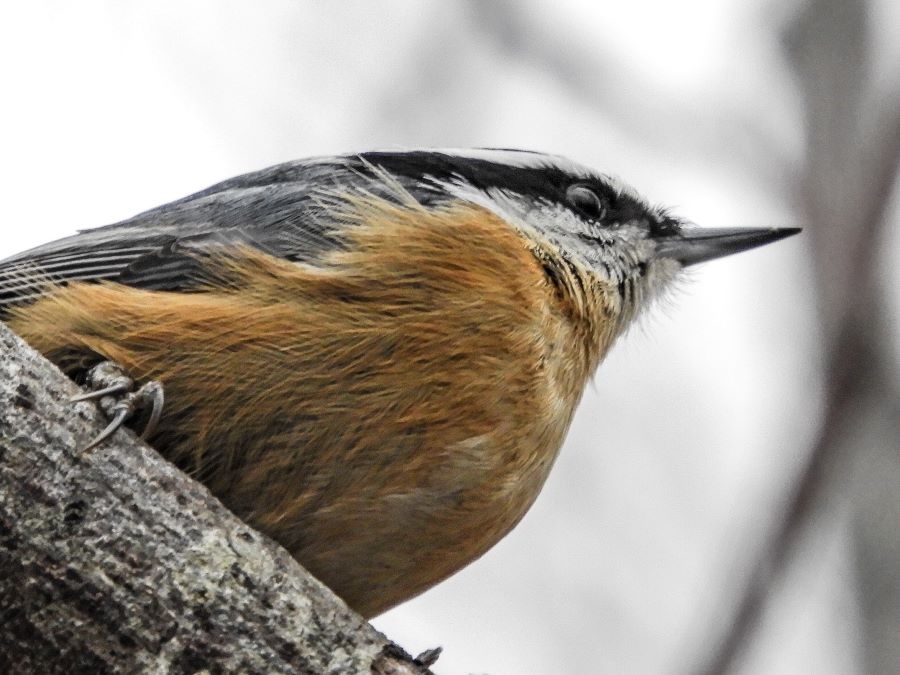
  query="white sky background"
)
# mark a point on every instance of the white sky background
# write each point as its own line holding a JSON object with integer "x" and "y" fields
{"x": 684, "y": 444}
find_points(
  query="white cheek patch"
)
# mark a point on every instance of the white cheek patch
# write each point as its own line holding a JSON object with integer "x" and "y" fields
{"x": 616, "y": 255}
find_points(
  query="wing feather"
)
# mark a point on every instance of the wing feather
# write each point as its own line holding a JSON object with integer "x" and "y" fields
{"x": 275, "y": 210}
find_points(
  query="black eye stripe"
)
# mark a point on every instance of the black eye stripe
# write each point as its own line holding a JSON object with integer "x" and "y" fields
{"x": 548, "y": 184}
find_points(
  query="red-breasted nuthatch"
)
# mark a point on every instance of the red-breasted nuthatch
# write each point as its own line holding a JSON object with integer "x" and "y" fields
{"x": 373, "y": 358}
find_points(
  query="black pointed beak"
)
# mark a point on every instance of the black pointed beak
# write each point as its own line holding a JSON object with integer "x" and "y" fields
{"x": 695, "y": 246}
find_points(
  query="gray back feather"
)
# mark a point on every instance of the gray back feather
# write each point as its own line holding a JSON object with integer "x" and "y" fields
{"x": 276, "y": 210}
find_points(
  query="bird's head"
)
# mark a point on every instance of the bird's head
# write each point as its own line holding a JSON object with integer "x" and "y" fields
{"x": 587, "y": 227}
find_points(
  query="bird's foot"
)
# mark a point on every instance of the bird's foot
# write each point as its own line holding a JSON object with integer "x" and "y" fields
{"x": 115, "y": 395}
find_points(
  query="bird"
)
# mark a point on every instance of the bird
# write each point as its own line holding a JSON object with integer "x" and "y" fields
{"x": 372, "y": 358}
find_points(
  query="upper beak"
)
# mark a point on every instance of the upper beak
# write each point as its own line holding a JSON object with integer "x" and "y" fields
{"x": 695, "y": 246}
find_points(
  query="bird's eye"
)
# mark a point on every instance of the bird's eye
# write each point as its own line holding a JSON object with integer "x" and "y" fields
{"x": 587, "y": 201}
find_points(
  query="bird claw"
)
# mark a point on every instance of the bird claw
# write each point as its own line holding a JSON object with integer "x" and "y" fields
{"x": 112, "y": 391}
{"x": 110, "y": 429}
{"x": 105, "y": 379}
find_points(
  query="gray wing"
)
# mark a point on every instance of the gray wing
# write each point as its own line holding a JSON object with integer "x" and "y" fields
{"x": 275, "y": 210}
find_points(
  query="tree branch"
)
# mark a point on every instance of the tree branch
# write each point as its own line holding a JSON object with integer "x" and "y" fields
{"x": 115, "y": 561}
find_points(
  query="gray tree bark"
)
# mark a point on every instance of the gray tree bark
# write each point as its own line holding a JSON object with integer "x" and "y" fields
{"x": 114, "y": 561}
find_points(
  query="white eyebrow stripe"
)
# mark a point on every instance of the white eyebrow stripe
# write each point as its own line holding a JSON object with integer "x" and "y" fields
{"x": 524, "y": 159}
{"x": 527, "y": 159}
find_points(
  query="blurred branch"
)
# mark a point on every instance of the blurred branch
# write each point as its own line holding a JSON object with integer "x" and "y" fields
{"x": 846, "y": 191}
{"x": 115, "y": 561}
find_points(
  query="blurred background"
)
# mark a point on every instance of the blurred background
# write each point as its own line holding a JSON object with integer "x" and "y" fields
{"x": 729, "y": 496}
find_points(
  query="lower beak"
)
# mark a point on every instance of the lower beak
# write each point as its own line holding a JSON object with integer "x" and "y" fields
{"x": 696, "y": 246}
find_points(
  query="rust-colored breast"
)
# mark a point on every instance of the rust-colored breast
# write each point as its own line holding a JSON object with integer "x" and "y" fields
{"x": 387, "y": 417}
